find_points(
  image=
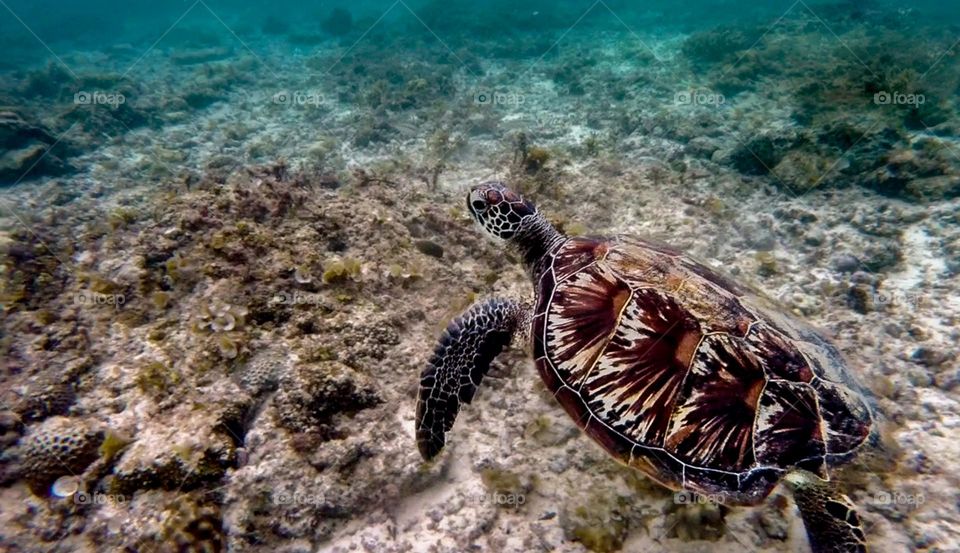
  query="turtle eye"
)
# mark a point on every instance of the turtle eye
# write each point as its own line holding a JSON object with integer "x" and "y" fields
{"x": 478, "y": 205}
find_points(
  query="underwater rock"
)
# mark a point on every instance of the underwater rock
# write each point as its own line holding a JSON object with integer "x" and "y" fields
{"x": 929, "y": 357}
{"x": 10, "y": 431}
{"x": 25, "y": 147}
{"x": 311, "y": 394}
{"x": 801, "y": 171}
{"x": 860, "y": 298}
{"x": 845, "y": 263}
{"x": 167, "y": 458}
{"x": 695, "y": 520}
{"x": 600, "y": 523}
{"x": 702, "y": 146}
{"x": 881, "y": 254}
{"x": 15, "y": 132}
{"x": 201, "y": 98}
{"x": 772, "y": 521}
{"x": 429, "y": 248}
{"x": 942, "y": 187}
{"x": 60, "y": 446}
{"x": 921, "y": 172}
{"x": 49, "y": 82}
{"x": 762, "y": 153}
{"x": 188, "y": 523}
{"x": 856, "y": 148}
{"x": 46, "y": 397}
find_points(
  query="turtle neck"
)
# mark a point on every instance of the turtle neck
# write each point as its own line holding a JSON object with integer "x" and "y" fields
{"x": 535, "y": 240}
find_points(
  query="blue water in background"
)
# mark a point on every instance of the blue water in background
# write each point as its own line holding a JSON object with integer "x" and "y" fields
{"x": 28, "y": 27}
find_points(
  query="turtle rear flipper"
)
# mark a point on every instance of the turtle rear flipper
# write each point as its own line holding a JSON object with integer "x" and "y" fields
{"x": 830, "y": 518}
{"x": 461, "y": 359}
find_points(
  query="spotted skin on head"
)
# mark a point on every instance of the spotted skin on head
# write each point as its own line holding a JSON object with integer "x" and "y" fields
{"x": 461, "y": 359}
{"x": 499, "y": 210}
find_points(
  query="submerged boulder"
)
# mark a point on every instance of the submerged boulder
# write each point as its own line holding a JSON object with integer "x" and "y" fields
{"x": 27, "y": 149}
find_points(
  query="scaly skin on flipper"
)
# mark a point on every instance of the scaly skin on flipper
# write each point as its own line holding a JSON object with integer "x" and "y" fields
{"x": 461, "y": 359}
{"x": 830, "y": 518}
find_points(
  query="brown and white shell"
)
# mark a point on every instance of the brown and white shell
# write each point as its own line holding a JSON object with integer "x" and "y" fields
{"x": 677, "y": 371}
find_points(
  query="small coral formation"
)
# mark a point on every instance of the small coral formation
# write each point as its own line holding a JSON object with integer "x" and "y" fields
{"x": 188, "y": 523}
{"x": 502, "y": 481}
{"x": 696, "y": 519}
{"x": 157, "y": 380}
{"x": 263, "y": 372}
{"x": 533, "y": 171}
{"x": 600, "y": 525}
{"x": 33, "y": 274}
{"x": 46, "y": 397}
{"x": 341, "y": 270}
{"x": 60, "y": 446}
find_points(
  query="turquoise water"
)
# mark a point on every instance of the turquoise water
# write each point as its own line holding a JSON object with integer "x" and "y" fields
{"x": 231, "y": 233}
{"x": 151, "y": 57}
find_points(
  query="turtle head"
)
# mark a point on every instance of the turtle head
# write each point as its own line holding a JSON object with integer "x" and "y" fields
{"x": 504, "y": 214}
{"x": 500, "y": 211}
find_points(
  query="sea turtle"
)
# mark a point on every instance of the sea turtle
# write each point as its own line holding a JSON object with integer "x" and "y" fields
{"x": 699, "y": 382}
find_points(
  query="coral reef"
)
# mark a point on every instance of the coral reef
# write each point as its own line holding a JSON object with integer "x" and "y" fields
{"x": 58, "y": 447}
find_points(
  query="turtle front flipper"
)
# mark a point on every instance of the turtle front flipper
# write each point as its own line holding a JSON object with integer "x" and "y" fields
{"x": 830, "y": 518}
{"x": 460, "y": 360}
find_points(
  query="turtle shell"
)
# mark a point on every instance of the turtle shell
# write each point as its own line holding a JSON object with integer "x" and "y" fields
{"x": 699, "y": 382}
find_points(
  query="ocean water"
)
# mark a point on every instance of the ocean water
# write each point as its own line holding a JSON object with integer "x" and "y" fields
{"x": 233, "y": 232}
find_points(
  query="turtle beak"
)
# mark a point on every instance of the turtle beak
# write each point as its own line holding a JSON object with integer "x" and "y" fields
{"x": 476, "y": 202}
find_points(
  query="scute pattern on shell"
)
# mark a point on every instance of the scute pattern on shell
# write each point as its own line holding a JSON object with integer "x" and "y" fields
{"x": 677, "y": 371}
